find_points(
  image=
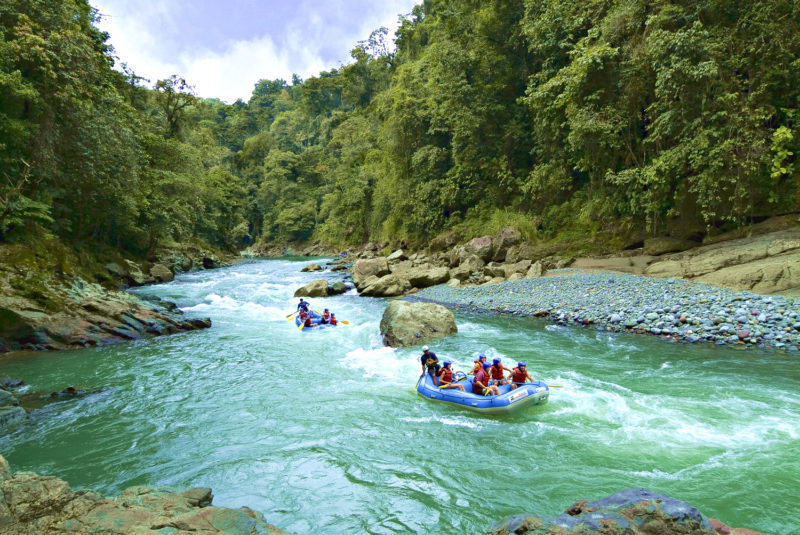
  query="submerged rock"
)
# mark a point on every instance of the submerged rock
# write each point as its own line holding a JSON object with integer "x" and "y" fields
{"x": 406, "y": 324}
{"x": 627, "y": 512}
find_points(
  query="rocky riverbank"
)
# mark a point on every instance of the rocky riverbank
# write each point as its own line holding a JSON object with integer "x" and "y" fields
{"x": 676, "y": 310}
{"x": 53, "y": 297}
{"x": 31, "y": 503}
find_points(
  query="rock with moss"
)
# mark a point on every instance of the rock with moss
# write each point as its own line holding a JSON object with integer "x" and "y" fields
{"x": 31, "y": 503}
{"x": 406, "y": 324}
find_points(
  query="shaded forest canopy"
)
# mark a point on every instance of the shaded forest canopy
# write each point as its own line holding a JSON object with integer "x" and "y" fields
{"x": 600, "y": 118}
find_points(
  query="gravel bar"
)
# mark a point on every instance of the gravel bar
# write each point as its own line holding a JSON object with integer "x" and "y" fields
{"x": 676, "y": 310}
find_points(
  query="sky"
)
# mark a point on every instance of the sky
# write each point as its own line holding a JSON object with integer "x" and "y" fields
{"x": 224, "y": 48}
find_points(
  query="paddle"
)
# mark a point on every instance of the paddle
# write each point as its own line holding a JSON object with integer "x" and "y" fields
{"x": 292, "y": 314}
{"x": 549, "y": 386}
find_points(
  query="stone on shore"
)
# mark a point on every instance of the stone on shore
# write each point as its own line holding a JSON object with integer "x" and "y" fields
{"x": 312, "y": 267}
{"x": 31, "y": 503}
{"x": 422, "y": 277}
{"x": 366, "y": 268}
{"x": 627, "y": 512}
{"x": 161, "y": 273}
{"x": 387, "y": 286}
{"x": 406, "y": 324}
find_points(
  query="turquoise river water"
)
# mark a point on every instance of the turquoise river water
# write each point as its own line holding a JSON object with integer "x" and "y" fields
{"x": 323, "y": 432}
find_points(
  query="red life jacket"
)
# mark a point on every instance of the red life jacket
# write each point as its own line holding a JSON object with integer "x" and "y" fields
{"x": 497, "y": 373}
{"x": 326, "y": 316}
{"x": 446, "y": 375}
{"x": 519, "y": 376}
{"x": 334, "y": 321}
{"x": 308, "y": 322}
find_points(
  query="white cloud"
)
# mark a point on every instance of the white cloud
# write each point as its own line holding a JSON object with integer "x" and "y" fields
{"x": 149, "y": 38}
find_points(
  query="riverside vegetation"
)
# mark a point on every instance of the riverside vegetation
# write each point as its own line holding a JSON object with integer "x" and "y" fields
{"x": 590, "y": 127}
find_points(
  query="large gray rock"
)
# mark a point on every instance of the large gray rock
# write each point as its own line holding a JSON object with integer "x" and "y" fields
{"x": 161, "y": 273}
{"x": 481, "y": 247}
{"x": 406, "y": 324}
{"x": 397, "y": 256}
{"x": 387, "y": 286}
{"x": 316, "y": 288}
{"x": 33, "y": 504}
{"x": 665, "y": 244}
{"x": 520, "y": 267}
{"x": 536, "y": 270}
{"x": 312, "y": 267}
{"x": 364, "y": 269}
{"x": 467, "y": 268}
{"x": 424, "y": 276}
{"x": 508, "y": 237}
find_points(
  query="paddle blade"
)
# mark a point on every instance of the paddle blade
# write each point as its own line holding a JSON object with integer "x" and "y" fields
{"x": 345, "y": 322}
{"x": 555, "y": 386}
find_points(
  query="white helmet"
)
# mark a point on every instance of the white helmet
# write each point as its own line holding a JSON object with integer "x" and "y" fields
{"x": 425, "y": 348}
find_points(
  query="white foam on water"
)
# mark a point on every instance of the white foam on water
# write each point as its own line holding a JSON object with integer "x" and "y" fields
{"x": 230, "y": 304}
{"x": 665, "y": 365}
{"x": 381, "y": 363}
{"x": 444, "y": 420}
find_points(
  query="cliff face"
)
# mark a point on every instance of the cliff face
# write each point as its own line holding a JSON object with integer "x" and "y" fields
{"x": 31, "y": 503}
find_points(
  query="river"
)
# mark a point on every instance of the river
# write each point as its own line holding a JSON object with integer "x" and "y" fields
{"x": 324, "y": 433}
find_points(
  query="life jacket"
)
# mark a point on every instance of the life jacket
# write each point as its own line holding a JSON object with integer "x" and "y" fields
{"x": 308, "y": 321}
{"x": 478, "y": 367}
{"x": 519, "y": 376}
{"x": 333, "y": 321}
{"x": 478, "y": 377}
{"x": 497, "y": 373}
{"x": 326, "y": 317}
{"x": 446, "y": 375}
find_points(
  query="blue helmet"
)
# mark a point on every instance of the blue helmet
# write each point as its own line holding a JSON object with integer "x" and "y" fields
{"x": 446, "y": 363}
{"x": 486, "y": 365}
{"x": 481, "y": 357}
{"x": 520, "y": 364}
{"x": 325, "y": 310}
{"x": 496, "y": 360}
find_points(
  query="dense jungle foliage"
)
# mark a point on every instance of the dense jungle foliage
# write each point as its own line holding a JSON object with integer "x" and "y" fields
{"x": 565, "y": 118}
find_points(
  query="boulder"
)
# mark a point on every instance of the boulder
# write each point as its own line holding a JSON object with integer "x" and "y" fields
{"x": 422, "y": 277}
{"x": 161, "y": 273}
{"x": 481, "y": 247}
{"x": 406, "y": 324}
{"x": 364, "y": 269}
{"x": 312, "y": 267}
{"x": 627, "y": 512}
{"x": 397, "y": 256}
{"x": 520, "y": 267}
{"x": 30, "y": 503}
{"x": 536, "y": 270}
{"x": 665, "y": 244}
{"x": 493, "y": 269}
{"x": 134, "y": 274}
{"x": 336, "y": 288}
{"x": 387, "y": 286}
{"x": 315, "y": 288}
{"x": 442, "y": 242}
{"x": 508, "y": 237}
{"x": 467, "y": 268}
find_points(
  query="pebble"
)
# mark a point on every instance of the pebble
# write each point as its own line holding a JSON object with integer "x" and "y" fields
{"x": 675, "y": 310}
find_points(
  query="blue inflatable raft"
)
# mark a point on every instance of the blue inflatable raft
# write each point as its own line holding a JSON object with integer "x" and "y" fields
{"x": 526, "y": 395}
{"x": 315, "y": 321}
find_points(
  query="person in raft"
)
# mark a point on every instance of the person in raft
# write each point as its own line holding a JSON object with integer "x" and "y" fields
{"x": 306, "y": 319}
{"x": 430, "y": 362}
{"x": 478, "y": 365}
{"x": 446, "y": 377}
{"x": 302, "y": 305}
{"x": 334, "y": 321}
{"x": 520, "y": 374}
{"x": 497, "y": 373}
{"x": 326, "y": 317}
{"x": 480, "y": 385}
